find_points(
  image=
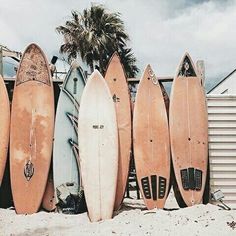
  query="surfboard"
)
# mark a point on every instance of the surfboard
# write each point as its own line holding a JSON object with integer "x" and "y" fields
{"x": 32, "y": 124}
{"x": 167, "y": 104}
{"x": 151, "y": 141}
{"x": 166, "y": 98}
{"x": 48, "y": 202}
{"x": 189, "y": 132}
{"x": 116, "y": 80}
{"x": 66, "y": 167}
{"x": 98, "y": 143}
{"x": 4, "y": 127}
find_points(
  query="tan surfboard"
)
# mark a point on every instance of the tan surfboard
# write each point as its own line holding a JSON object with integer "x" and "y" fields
{"x": 98, "y": 147}
{"x": 4, "y": 127}
{"x": 116, "y": 80}
{"x": 189, "y": 132}
{"x": 49, "y": 202}
{"x": 31, "y": 136}
{"x": 151, "y": 141}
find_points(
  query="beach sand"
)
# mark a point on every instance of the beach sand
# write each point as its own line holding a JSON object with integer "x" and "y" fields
{"x": 132, "y": 219}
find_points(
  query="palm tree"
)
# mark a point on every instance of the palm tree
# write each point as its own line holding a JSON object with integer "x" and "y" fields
{"x": 128, "y": 60}
{"x": 95, "y": 35}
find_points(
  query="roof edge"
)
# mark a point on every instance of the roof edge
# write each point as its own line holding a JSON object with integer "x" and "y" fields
{"x": 221, "y": 81}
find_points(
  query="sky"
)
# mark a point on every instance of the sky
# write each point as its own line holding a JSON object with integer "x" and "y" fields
{"x": 160, "y": 31}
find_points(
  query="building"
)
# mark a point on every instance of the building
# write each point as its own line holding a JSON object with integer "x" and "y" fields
{"x": 221, "y": 101}
{"x": 226, "y": 86}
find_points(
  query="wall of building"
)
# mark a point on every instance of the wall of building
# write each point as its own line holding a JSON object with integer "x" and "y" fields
{"x": 222, "y": 146}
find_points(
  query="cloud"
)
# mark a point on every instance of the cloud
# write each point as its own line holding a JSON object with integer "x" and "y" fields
{"x": 205, "y": 29}
{"x": 160, "y": 31}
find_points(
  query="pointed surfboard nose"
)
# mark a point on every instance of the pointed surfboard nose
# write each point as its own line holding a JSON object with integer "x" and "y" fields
{"x": 75, "y": 64}
{"x": 96, "y": 77}
{"x": 96, "y": 74}
{"x": 149, "y": 74}
{"x": 114, "y": 67}
{"x": 148, "y": 68}
{"x": 114, "y": 60}
{"x": 186, "y": 67}
{"x": 148, "y": 71}
{"x": 115, "y": 57}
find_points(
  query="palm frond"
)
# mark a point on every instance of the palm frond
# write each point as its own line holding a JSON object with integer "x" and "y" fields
{"x": 94, "y": 35}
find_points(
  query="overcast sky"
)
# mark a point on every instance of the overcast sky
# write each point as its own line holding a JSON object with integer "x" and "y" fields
{"x": 160, "y": 30}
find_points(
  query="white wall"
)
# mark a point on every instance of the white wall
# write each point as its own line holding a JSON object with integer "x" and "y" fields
{"x": 222, "y": 145}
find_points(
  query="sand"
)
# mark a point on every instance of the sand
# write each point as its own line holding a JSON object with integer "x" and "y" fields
{"x": 132, "y": 219}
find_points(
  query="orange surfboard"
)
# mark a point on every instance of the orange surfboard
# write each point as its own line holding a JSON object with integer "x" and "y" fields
{"x": 189, "y": 132}
{"x": 4, "y": 126}
{"x": 49, "y": 202}
{"x": 116, "y": 80}
{"x": 31, "y": 136}
{"x": 151, "y": 141}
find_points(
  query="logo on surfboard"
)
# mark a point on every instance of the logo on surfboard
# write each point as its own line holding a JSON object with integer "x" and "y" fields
{"x": 29, "y": 170}
{"x": 186, "y": 69}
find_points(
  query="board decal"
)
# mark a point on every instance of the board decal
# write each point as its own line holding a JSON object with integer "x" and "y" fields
{"x": 75, "y": 148}
{"x": 115, "y": 98}
{"x": 72, "y": 98}
{"x": 75, "y": 85}
{"x": 152, "y": 76}
{"x": 29, "y": 170}
{"x": 98, "y": 126}
{"x": 191, "y": 179}
{"x": 154, "y": 186}
{"x": 33, "y": 67}
{"x": 146, "y": 187}
{"x": 74, "y": 121}
{"x": 161, "y": 187}
{"x": 186, "y": 68}
{"x": 184, "y": 178}
{"x": 198, "y": 179}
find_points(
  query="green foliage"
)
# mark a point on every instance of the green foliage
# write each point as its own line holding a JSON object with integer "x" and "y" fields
{"x": 94, "y": 35}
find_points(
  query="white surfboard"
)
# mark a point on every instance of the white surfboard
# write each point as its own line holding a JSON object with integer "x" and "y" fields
{"x": 66, "y": 170}
{"x": 98, "y": 146}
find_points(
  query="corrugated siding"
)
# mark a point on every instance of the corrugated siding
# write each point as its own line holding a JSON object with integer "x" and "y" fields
{"x": 222, "y": 145}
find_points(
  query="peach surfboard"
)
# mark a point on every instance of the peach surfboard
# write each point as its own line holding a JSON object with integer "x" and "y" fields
{"x": 4, "y": 127}
{"x": 189, "y": 132}
{"x": 151, "y": 141}
{"x": 116, "y": 80}
{"x": 31, "y": 136}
